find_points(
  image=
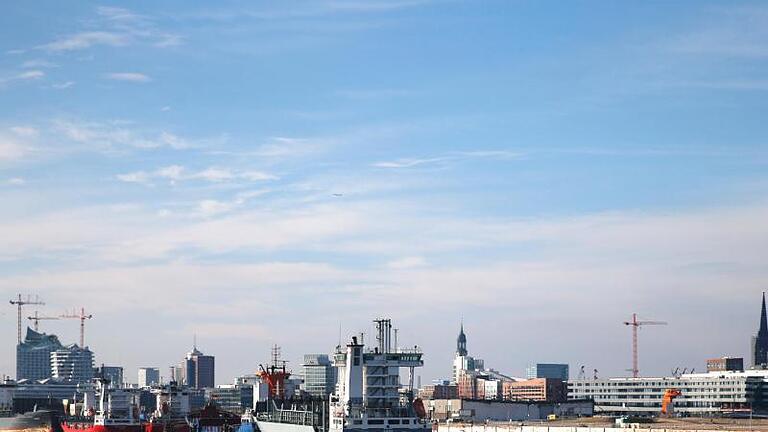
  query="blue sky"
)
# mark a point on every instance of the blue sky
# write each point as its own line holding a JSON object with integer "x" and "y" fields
{"x": 263, "y": 172}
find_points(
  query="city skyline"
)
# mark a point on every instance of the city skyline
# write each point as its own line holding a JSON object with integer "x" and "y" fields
{"x": 264, "y": 174}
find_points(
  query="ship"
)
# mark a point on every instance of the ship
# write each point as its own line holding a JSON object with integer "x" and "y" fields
{"x": 368, "y": 397}
{"x": 173, "y": 409}
{"x": 35, "y": 421}
{"x": 118, "y": 411}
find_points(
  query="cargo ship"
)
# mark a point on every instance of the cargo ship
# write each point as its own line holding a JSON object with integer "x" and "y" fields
{"x": 368, "y": 396}
{"x": 118, "y": 411}
{"x": 35, "y": 421}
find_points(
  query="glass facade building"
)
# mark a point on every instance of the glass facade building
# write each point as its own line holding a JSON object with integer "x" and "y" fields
{"x": 547, "y": 370}
{"x": 319, "y": 375}
{"x": 33, "y": 356}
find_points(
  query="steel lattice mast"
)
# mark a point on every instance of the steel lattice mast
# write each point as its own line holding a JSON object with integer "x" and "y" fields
{"x": 19, "y": 303}
{"x": 635, "y": 326}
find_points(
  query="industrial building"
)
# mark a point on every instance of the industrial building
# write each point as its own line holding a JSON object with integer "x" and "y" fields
{"x": 439, "y": 390}
{"x": 547, "y": 370}
{"x": 33, "y": 355}
{"x": 725, "y": 364}
{"x": 319, "y": 375}
{"x": 483, "y": 410}
{"x": 148, "y": 377}
{"x": 537, "y": 389}
{"x": 713, "y": 393}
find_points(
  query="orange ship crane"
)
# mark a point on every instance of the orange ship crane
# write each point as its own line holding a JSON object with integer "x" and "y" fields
{"x": 666, "y": 403}
{"x": 275, "y": 375}
{"x": 82, "y": 317}
{"x": 36, "y": 319}
{"x": 635, "y": 326}
{"x": 21, "y": 302}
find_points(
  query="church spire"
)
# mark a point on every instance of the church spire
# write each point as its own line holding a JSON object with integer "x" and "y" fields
{"x": 760, "y": 348}
{"x": 461, "y": 342}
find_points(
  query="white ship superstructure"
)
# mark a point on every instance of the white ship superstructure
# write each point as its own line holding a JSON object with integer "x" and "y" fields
{"x": 368, "y": 396}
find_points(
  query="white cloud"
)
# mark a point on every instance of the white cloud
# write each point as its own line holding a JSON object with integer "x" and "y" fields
{"x": 408, "y": 163}
{"x": 38, "y": 63}
{"x": 128, "y": 76}
{"x": 63, "y": 85}
{"x": 114, "y": 27}
{"x": 407, "y": 263}
{"x": 33, "y": 74}
{"x": 454, "y": 156}
{"x": 25, "y": 131}
{"x": 208, "y": 208}
{"x": 173, "y": 172}
{"x": 23, "y": 76}
{"x": 13, "y": 146}
{"x": 566, "y": 263}
{"x": 211, "y": 174}
{"x": 16, "y": 181}
{"x": 111, "y": 136}
{"x": 83, "y": 40}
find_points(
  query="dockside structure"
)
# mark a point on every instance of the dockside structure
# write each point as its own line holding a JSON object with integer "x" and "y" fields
{"x": 721, "y": 393}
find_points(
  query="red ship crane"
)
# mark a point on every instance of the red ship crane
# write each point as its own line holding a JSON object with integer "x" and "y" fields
{"x": 82, "y": 317}
{"x": 21, "y": 302}
{"x": 36, "y": 319}
{"x": 275, "y": 375}
{"x": 635, "y": 326}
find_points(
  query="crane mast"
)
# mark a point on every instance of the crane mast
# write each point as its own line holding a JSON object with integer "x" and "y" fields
{"x": 635, "y": 324}
{"x": 19, "y": 302}
{"x": 82, "y": 317}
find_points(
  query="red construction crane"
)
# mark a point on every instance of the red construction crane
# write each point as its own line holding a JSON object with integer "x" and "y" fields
{"x": 82, "y": 317}
{"x": 636, "y": 325}
{"x": 21, "y": 302}
{"x": 36, "y": 319}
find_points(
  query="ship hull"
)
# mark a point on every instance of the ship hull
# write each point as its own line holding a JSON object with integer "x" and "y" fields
{"x": 266, "y": 426}
{"x": 37, "y": 421}
{"x": 86, "y": 427}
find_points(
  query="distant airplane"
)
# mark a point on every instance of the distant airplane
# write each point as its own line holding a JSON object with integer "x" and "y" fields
{"x": 338, "y": 194}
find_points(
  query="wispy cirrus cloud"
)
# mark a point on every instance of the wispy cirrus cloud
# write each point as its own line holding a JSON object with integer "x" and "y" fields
{"x": 114, "y": 135}
{"x": 115, "y": 27}
{"x": 175, "y": 173}
{"x": 450, "y": 157}
{"x": 30, "y": 75}
{"x": 16, "y": 142}
{"x": 128, "y": 76}
{"x": 83, "y": 40}
{"x": 63, "y": 85}
{"x": 731, "y": 32}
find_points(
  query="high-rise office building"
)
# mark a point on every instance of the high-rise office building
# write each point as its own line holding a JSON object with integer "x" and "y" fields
{"x": 33, "y": 356}
{"x": 199, "y": 369}
{"x": 319, "y": 375}
{"x": 113, "y": 374}
{"x": 72, "y": 363}
{"x": 547, "y": 370}
{"x": 148, "y": 377}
